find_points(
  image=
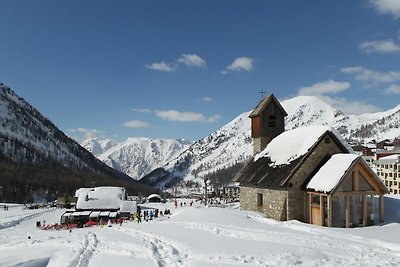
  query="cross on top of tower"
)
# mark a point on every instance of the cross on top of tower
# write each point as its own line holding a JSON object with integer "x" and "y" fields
{"x": 262, "y": 92}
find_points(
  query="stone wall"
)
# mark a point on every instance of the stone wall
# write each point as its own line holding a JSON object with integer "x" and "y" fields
{"x": 260, "y": 143}
{"x": 297, "y": 208}
{"x": 273, "y": 202}
{"x": 290, "y": 203}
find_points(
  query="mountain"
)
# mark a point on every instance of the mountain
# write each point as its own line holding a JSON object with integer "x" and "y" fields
{"x": 37, "y": 160}
{"x": 138, "y": 156}
{"x": 232, "y": 144}
{"x": 98, "y": 145}
{"x": 311, "y": 110}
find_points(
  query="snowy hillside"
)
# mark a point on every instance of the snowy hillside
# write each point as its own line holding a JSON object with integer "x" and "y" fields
{"x": 138, "y": 156}
{"x": 196, "y": 236}
{"x": 98, "y": 145}
{"x": 27, "y": 137}
{"x": 38, "y": 160}
{"x": 224, "y": 148}
{"x": 232, "y": 143}
{"x": 311, "y": 110}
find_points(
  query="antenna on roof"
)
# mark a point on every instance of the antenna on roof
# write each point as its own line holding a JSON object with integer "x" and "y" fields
{"x": 262, "y": 92}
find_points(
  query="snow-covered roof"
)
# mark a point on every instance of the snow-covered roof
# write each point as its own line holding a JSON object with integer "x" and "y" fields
{"x": 329, "y": 175}
{"x": 104, "y": 214}
{"x": 388, "y": 159}
{"x": 154, "y": 196}
{"x": 94, "y": 214}
{"x": 128, "y": 206}
{"x": 290, "y": 145}
{"x": 100, "y": 198}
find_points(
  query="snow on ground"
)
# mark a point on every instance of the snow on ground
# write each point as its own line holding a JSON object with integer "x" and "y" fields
{"x": 197, "y": 236}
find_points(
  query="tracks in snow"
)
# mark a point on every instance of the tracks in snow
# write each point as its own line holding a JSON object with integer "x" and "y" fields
{"x": 356, "y": 249}
{"x": 163, "y": 251}
{"x": 86, "y": 251}
{"x": 19, "y": 219}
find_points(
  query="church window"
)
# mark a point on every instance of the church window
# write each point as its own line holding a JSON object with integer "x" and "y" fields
{"x": 271, "y": 121}
{"x": 259, "y": 199}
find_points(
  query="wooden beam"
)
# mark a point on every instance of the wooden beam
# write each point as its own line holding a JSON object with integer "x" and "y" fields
{"x": 356, "y": 186}
{"x": 364, "y": 210}
{"x": 309, "y": 207}
{"x": 381, "y": 212}
{"x": 359, "y": 193}
{"x": 329, "y": 211}
{"x": 371, "y": 180}
{"x": 322, "y": 209}
{"x": 347, "y": 203}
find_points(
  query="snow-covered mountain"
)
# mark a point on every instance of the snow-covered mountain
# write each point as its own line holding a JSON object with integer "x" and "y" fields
{"x": 36, "y": 156}
{"x": 232, "y": 143}
{"x": 311, "y": 110}
{"x": 136, "y": 156}
{"x": 98, "y": 145}
{"x": 27, "y": 137}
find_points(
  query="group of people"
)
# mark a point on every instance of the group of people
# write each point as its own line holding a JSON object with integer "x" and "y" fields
{"x": 148, "y": 214}
{"x": 182, "y": 203}
{"x": 5, "y": 207}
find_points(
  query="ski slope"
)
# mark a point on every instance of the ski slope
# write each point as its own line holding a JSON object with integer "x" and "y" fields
{"x": 197, "y": 236}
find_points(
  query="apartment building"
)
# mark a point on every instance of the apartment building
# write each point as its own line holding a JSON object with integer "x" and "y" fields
{"x": 388, "y": 169}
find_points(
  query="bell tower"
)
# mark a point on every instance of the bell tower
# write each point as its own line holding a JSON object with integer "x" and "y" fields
{"x": 267, "y": 122}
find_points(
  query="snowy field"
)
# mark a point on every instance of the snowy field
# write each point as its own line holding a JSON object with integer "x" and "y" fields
{"x": 197, "y": 236}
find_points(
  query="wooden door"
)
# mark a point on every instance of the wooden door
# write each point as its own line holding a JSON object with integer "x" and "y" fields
{"x": 316, "y": 215}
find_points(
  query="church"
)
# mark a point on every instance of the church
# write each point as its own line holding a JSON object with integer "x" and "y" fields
{"x": 310, "y": 174}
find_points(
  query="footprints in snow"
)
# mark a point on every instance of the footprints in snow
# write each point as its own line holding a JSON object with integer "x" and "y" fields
{"x": 86, "y": 252}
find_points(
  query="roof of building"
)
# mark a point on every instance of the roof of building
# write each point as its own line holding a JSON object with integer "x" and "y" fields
{"x": 263, "y": 103}
{"x": 128, "y": 206}
{"x": 275, "y": 165}
{"x": 100, "y": 198}
{"x": 332, "y": 173}
{"x": 154, "y": 196}
{"x": 290, "y": 145}
{"x": 329, "y": 175}
{"x": 388, "y": 159}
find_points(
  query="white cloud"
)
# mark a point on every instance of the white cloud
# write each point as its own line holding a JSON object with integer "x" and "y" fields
{"x": 87, "y": 133}
{"x": 393, "y": 89}
{"x": 213, "y": 118}
{"x": 192, "y": 60}
{"x": 350, "y": 107}
{"x": 383, "y": 46}
{"x": 240, "y": 64}
{"x": 136, "y": 124}
{"x": 326, "y": 87}
{"x": 161, "y": 66}
{"x": 207, "y": 99}
{"x": 141, "y": 110}
{"x": 387, "y": 7}
{"x": 371, "y": 77}
{"x": 174, "y": 115}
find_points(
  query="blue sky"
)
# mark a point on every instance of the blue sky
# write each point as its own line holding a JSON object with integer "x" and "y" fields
{"x": 182, "y": 69}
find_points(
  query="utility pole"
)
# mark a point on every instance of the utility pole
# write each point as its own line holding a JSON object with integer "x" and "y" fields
{"x": 205, "y": 191}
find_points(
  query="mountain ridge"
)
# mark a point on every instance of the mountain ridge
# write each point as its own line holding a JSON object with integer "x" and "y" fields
{"x": 138, "y": 156}
{"x": 204, "y": 157}
{"x": 37, "y": 160}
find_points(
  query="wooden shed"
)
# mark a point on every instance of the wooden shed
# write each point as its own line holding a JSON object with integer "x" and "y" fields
{"x": 345, "y": 192}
